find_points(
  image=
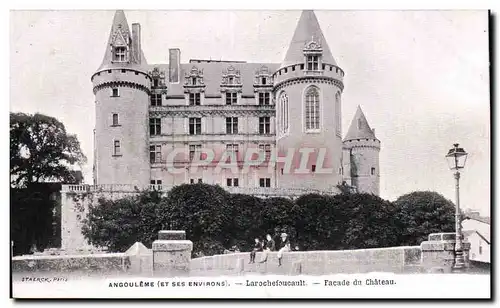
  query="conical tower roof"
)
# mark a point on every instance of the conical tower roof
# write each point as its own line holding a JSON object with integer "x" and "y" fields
{"x": 120, "y": 30}
{"x": 307, "y": 30}
{"x": 359, "y": 129}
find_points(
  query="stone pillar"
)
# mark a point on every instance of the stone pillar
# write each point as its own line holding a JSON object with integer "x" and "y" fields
{"x": 171, "y": 253}
{"x": 439, "y": 255}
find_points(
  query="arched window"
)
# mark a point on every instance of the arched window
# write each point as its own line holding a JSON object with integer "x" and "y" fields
{"x": 312, "y": 110}
{"x": 283, "y": 103}
{"x": 338, "y": 115}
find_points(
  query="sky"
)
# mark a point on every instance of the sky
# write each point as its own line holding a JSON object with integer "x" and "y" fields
{"x": 421, "y": 77}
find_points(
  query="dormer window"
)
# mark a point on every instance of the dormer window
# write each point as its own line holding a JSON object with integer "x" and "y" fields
{"x": 120, "y": 54}
{"x": 263, "y": 80}
{"x": 193, "y": 81}
{"x": 230, "y": 80}
{"x": 312, "y": 63}
{"x": 156, "y": 83}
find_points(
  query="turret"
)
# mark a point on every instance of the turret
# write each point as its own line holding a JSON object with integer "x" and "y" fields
{"x": 121, "y": 87}
{"x": 361, "y": 156}
{"x": 308, "y": 89}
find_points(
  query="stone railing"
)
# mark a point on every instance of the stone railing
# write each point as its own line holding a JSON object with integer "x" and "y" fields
{"x": 257, "y": 191}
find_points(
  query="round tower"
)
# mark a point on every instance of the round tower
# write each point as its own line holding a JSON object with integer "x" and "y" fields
{"x": 308, "y": 89}
{"x": 361, "y": 153}
{"x": 122, "y": 92}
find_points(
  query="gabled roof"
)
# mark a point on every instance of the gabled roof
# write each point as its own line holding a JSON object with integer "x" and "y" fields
{"x": 120, "y": 27}
{"x": 307, "y": 30}
{"x": 359, "y": 129}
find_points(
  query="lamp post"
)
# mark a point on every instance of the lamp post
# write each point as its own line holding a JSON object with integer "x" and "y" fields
{"x": 456, "y": 158}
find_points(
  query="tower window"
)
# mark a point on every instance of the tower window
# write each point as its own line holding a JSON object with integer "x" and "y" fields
{"x": 120, "y": 54}
{"x": 373, "y": 171}
{"x": 154, "y": 126}
{"x": 264, "y": 125}
{"x": 338, "y": 113}
{"x": 283, "y": 112}
{"x": 264, "y": 98}
{"x": 232, "y": 125}
{"x": 155, "y": 99}
{"x": 194, "y": 99}
{"x": 155, "y": 154}
{"x": 312, "y": 110}
{"x": 115, "y": 92}
{"x": 194, "y": 126}
{"x": 115, "y": 119}
{"x": 231, "y": 98}
{"x": 265, "y": 182}
{"x": 116, "y": 148}
{"x": 312, "y": 63}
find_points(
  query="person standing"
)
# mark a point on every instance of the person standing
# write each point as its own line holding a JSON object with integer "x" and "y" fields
{"x": 269, "y": 246}
{"x": 284, "y": 246}
{"x": 257, "y": 247}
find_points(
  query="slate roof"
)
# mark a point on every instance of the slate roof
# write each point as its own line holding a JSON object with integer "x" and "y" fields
{"x": 359, "y": 129}
{"x": 307, "y": 29}
{"x": 212, "y": 75}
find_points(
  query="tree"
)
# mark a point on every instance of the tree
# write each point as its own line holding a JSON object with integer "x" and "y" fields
{"x": 41, "y": 150}
{"x": 421, "y": 213}
{"x": 372, "y": 222}
{"x": 247, "y": 220}
{"x": 204, "y": 212}
{"x": 120, "y": 223}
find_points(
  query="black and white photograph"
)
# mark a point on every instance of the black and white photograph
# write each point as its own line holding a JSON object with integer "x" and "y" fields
{"x": 292, "y": 153}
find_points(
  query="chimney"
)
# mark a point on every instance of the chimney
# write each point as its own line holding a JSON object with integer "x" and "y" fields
{"x": 174, "y": 62}
{"x": 136, "y": 42}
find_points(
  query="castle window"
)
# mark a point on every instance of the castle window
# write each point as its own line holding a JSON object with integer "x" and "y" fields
{"x": 115, "y": 119}
{"x": 264, "y": 125}
{"x": 293, "y": 68}
{"x": 231, "y": 125}
{"x": 302, "y": 67}
{"x": 283, "y": 108}
{"x": 116, "y": 148}
{"x": 232, "y": 148}
{"x": 156, "y": 83}
{"x": 264, "y": 98}
{"x": 230, "y": 80}
{"x": 323, "y": 66}
{"x": 115, "y": 92}
{"x": 266, "y": 149}
{"x": 338, "y": 118}
{"x": 193, "y": 81}
{"x": 155, "y": 182}
{"x": 263, "y": 80}
{"x": 232, "y": 182}
{"x": 265, "y": 182}
{"x": 312, "y": 110}
{"x": 194, "y": 151}
{"x": 231, "y": 98}
{"x": 124, "y": 71}
{"x": 155, "y": 99}
{"x": 194, "y": 99}
{"x": 312, "y": 63}
{"x": 154, "y": 126}
{"x": 120, "y": 54}
{"x": 373, "y": 171}
{"x": 194, "y": 126}
{"x": 155, "y": 154}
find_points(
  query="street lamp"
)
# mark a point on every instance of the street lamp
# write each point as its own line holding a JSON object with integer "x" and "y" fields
{"x": 456, "y": 158}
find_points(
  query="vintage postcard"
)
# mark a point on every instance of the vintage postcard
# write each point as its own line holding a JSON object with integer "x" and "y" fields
{"x": 250, "y": 154}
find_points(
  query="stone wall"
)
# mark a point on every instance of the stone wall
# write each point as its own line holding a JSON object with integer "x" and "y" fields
{"x": 394, "y": 259}
{"x": 86, "y": 264}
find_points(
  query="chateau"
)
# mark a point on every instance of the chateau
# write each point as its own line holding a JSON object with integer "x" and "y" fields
{"x": 166, "y": 125}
